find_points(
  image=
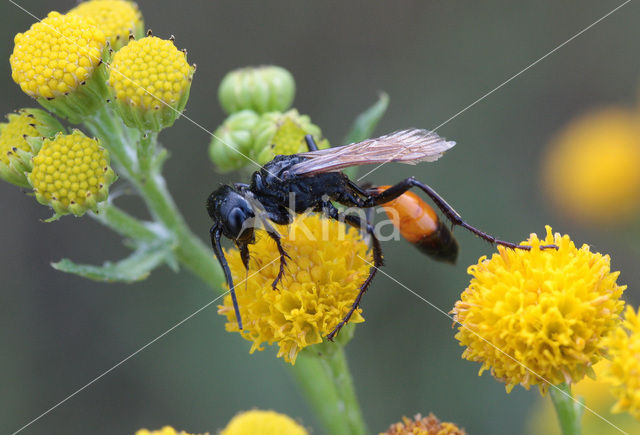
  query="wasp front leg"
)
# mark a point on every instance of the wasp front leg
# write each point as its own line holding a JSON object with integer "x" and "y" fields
{"x": 216, "y": 234}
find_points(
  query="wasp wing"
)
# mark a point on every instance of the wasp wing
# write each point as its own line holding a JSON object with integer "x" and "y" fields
{"x": 406, "y": 146}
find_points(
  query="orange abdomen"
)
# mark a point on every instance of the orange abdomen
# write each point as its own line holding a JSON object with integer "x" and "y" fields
{"x": 419, "y": 224}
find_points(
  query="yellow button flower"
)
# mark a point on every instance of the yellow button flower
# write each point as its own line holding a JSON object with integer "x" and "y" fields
{"x": 71, "y": 173}
{"x": 116, "y": 18}
{"x": 150, "y": 80}
{"x": 167, "y": 430}
{"x": 590, "y": 170}
{"x": 264, "y": 423}
{"x": 547, "y": 310}
{"x": 59, "y": 62}
{"x": 623, "y": 371}
{"x": 320, "y": 283}
{"x": 420, "y": 425}
{"x": 16, "y": 136}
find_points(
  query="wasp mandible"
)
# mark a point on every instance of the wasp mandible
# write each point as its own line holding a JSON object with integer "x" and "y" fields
{"x": 313, "y": 180}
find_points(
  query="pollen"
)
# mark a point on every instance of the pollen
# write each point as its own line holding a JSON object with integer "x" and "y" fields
{"x": 537, "y": 317}
{"x": 264, "y": 423}
{"x": 56, "y": 55}
{"x": 320, "y": 283}
{"x": 622, "y": 372}
{"x": 150, "y": 73}
{"x": 13, "y": 133}
{"x": 71, "y": 173}
{"x": 420, "y": 425}
{"x": 116, "y": 18}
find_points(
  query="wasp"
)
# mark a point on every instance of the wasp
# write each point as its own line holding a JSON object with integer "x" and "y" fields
{"x": 313, "y": 181}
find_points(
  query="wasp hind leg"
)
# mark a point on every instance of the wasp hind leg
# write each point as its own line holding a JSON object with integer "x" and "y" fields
{"x": 398, "y": 189}
{"x": 378, "y": 261}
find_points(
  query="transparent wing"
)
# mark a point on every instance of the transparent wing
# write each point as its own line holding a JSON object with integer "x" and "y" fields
{"x": 406, "y": 146}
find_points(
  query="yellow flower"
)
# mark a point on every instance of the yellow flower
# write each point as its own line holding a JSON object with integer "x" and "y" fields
{"x": 167, "y": 430}
{"x": 59, "y": 62}
{"x": 16, "y": 136}
{"x": 71, "y": 173}
{"x": 590, "y": 170}
{"x": 116, "y": 18}
{"x": 150, "y": 80}
{"x": 320, "y": 283}
{"x": 597, "y": 397}
{"x": 420, "y": 425}
{"x": 263, "y": 423}
{"x": 539, "y": 311}
{"x": 623, "y": 371}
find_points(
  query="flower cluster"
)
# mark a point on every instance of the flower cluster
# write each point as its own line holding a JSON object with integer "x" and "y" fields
{"x": 539, "y": 316}
{"x": 321, "y": 281}
{"x": 259, "y": 126}
{"x": 263, "y": 422}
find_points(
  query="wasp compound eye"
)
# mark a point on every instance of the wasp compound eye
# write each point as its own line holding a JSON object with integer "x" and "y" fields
{"x": 235, "y": 219}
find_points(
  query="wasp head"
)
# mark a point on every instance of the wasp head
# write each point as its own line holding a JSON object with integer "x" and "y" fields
{"x": 231, "y": 210}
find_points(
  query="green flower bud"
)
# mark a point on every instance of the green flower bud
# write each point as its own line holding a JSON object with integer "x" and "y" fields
{"x": 71, "y": 173}
{"x": 233, "y": 140}
{"x": 283, "y": 133}
{"x": 261, "y": 89}
{"x": 59, "y": 61}
{"x": 17, "y": 144}
{"x": 150, "y": 81}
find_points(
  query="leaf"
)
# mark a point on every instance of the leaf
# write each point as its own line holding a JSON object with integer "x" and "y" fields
{"x": 135, "y": 267}
{"x": 366, "y": 122}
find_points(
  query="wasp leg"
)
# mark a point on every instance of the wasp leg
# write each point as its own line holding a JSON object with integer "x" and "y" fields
{"x": 244, "y": 253}
{"x": 216, "y": 233}
{"x": 311, "y": 144}
{"x": 283, "y": 255}
{"x": 378, "y": 260}
{"x": 398, "y": 189}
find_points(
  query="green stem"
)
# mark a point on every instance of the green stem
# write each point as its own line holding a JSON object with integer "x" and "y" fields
{"x": 323, "y": 374}
{"x": 125, "y": 224}
{"x": 568, "y": 409}
{"x": 191, "y": 252}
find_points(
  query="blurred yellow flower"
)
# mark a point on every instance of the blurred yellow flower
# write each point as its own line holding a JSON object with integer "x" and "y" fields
{"x": 116, "y": 18}
{"x": 167, "y": 430}
{"x": 623, "y": 371}
{"x": 597, "y": 397}
{"x": 590, "y": 169}
{"x": 320, "y": 283}
{"x": 541, "y": 310}
{"x": 256, "y": 422}
{"x": 419, "y": 425}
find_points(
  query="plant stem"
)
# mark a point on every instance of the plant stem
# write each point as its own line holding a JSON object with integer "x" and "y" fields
{"x": 323, "y": 373}
{"x": 191, "y": 252}
{"x": 123, "y": 223}
{"x": 568, "y": 409}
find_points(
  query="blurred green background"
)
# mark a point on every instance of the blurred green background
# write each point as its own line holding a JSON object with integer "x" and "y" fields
{"x": 433, "y": 58}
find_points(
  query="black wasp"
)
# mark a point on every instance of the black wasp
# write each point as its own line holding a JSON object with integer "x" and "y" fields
{"x": 311, "y": 181}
